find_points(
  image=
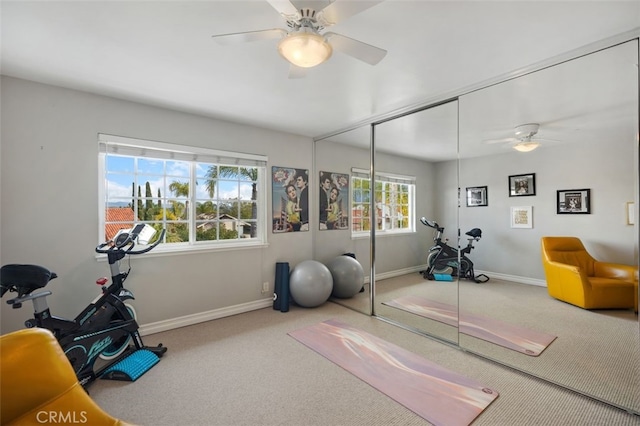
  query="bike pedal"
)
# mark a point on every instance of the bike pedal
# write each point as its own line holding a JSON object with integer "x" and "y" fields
{"x": 158, "y": 350}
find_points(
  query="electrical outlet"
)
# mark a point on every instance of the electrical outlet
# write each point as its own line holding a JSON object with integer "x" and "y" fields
{"x": 265, "y": 287}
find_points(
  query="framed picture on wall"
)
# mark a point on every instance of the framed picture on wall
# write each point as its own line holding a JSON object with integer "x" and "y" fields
{"x": 477, "y": 196}
{"x": 573, "y": 201}
{"x": 334, "y": 201}
{"x": 522, "y": 185}
{"x": 522, "y": 217}
{"x": 290, "y": 199}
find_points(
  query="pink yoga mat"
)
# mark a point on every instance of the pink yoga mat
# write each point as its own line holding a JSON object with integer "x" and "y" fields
{"x": 436, "y": 394}
{"x": 519, "y": 339}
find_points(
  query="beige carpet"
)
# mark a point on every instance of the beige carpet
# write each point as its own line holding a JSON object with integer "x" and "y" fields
{"x": 246, "y": 370}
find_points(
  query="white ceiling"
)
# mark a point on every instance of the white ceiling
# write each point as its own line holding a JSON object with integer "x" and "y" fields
{"x": 161, "y": 53}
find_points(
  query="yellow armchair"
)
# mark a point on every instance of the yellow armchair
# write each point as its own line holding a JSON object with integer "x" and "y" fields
{"x": 575, "y": 277}
{"x": 38, "y": 384}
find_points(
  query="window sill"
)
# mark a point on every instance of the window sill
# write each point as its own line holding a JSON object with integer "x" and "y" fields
{"x": 383, "y": 234}
{"x": 162, "y": 251}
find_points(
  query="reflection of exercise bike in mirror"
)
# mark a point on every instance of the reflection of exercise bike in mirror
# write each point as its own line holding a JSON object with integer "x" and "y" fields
{"x": 442, "y": 260}
{"x": 106, "y": 328}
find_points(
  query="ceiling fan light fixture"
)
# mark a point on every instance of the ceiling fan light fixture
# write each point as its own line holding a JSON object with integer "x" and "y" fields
{"x": 305, "y": 49}
{"x": 526, "y": 146}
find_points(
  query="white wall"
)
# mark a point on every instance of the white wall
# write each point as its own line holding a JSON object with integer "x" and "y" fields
{"x": 49, "y": 182}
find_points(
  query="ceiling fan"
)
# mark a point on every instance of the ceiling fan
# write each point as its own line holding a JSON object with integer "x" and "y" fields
{"x": 305, "y": 44}
{"x": 524, "y": 138}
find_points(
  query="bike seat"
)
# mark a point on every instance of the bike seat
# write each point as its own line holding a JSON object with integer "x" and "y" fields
{"x": 475, "y": 233}
{"x": 24, "y": 278}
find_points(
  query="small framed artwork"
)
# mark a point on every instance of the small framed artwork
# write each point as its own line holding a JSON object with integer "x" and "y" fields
{"x": 631, "y": 213}
{"x": 522, "y": 217}
{"x": 574, "y": 201}
{"x": 477, "y": 196}
{"x": 522, "y": 185}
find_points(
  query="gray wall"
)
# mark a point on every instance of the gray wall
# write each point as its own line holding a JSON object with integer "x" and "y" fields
{"x": 607, "y": 168}
{"x": 337, "y": 158}
{"x": 406, "y": 251}
{"x": 49, "y": 216}
{"x": 395, "y": 252}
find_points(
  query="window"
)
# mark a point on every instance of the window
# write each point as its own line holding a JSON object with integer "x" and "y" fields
{"x": 394, "y": 201}
{"x": 202, "y": 198}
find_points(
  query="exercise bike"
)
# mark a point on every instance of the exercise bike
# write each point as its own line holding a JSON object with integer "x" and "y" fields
{"x": 444, "y": 261}
{"x": 103, "y": 330}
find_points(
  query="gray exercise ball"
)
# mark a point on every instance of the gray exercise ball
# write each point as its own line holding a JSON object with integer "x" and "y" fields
{"x": 310, "y": 283}
{"x": 348, "y": 276}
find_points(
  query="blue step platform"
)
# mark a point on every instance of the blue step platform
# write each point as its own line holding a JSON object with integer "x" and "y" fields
{"x": 131, "y": 367}
{"x": 442, "y": 277}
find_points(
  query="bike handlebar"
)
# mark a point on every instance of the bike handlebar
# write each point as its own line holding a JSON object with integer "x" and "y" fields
{"x": 475, "y": 233}
{"x": 129, "y": 240}
{"x": 431, "y": 224}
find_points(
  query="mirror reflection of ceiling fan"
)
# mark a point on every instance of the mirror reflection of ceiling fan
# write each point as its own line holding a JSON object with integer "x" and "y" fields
{"x": 305, "y": 44}
{"x": 524, "y": 140}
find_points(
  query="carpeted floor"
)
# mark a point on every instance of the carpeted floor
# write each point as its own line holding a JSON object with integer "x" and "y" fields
{"x": 527, "y": 341}
{"x": 246, "y": 370}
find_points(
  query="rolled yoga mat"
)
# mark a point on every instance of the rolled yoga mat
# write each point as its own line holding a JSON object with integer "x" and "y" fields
{"x": 281, "y": 290}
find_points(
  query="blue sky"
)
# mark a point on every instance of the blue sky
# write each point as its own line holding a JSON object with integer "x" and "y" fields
{"x": 121, "y": 168}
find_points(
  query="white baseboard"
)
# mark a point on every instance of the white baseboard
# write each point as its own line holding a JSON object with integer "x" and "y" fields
{"x": 496, "y": 275}
{"x": 399, "y": 272}
{"x": 396, "y": 273}
{"x": 514, "y": 278}
{"x": 170, "y": 324}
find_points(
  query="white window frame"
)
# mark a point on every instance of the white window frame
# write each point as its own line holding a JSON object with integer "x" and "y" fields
{"x": 112, "y": 144}
{"x": 387, "y": 178}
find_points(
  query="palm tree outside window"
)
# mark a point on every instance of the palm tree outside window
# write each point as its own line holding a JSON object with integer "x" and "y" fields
{"x": 201, "y": 198}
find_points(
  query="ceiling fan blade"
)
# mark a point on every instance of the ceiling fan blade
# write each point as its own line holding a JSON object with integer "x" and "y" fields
{"x": 503, "y": 140}
{"x": 359, "y": 50}
{"x": 544, "y": 139}
{"x": 233, "y": 38}
{"x": 316, "y": 5}
{"x": 341, "y": 10}
{"x": 285, "y": 8}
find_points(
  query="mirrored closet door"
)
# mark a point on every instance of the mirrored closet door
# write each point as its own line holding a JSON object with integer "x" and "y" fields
{"x": 585, "y": 112}
{"x": 578, "y": 123}
{"x": 409, "y": 185}
{"x": 336, "y": 157}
